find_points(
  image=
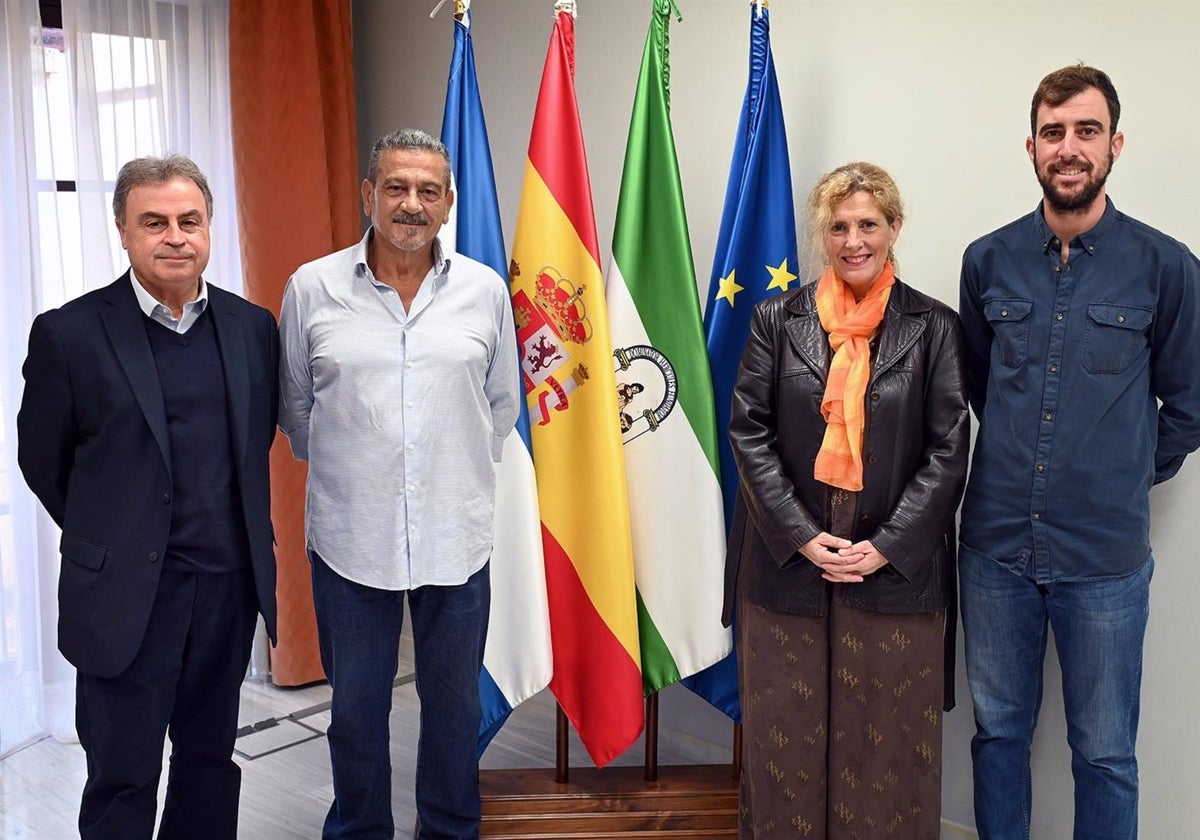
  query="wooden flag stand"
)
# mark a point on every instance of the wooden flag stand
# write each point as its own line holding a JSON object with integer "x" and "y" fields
{"x": 684, "y": 801}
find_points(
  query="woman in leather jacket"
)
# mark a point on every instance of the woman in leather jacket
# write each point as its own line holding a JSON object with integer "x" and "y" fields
{"x": 850, "y": 430}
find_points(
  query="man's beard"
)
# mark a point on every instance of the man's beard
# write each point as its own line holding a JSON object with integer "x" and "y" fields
{"x": 410, "y": 245}
{"x": 1079, "y": 201}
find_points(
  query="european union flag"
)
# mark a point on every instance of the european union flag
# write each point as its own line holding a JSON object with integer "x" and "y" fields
{"x": 755, "y": 257}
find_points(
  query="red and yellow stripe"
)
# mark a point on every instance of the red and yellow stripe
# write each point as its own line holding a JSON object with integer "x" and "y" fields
{"x": 577, "y": 451}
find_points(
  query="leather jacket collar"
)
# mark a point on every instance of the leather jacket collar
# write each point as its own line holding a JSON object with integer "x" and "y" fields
{"x": 902, "y": 326}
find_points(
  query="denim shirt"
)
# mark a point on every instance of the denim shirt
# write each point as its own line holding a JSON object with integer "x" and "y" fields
{"x": 1085, "y": 377}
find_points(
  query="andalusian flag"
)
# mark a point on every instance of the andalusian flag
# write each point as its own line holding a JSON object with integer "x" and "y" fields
{"x": 664, "y": 393}
{"x": 566, "y": 351}
{"x": 755, "y": 257}
{"x": 517, "y": 661}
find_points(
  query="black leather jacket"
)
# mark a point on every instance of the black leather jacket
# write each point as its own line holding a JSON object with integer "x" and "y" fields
{"x": 914, "y": 452}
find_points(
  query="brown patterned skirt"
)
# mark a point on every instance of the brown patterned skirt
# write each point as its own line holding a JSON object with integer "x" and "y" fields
{"x": 842, "y": 724}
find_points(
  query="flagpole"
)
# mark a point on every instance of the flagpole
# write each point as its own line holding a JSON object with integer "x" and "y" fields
{"x": 651, "y": 762}
{"x": 737, "y": 751}
{"x": 562, "y": 741}
{"x": 562, "y": 746}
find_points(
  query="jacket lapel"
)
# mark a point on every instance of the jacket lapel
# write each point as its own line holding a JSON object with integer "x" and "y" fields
{"x": 231, "y": 340}
{"x": 900, "y": 330}
{"x": 806, "y": 334}
{"x": 126, "y": 328}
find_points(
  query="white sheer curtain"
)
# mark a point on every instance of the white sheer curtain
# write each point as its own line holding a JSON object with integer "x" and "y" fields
{"x": 123, "y": 78}
{"x": 27, "y": 669}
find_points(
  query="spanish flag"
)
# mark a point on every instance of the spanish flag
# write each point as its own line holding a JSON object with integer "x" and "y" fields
{"x": 567, "y": 366}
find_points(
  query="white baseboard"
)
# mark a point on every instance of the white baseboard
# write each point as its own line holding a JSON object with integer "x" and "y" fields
{"x": 954, "y": 831}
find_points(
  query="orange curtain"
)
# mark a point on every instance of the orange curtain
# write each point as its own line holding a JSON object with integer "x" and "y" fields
{"x": 294, "y": 145}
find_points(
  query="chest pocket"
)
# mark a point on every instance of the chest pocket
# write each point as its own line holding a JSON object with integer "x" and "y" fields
{"x": 1010, "y": 325}
{"x": 1116, "y": 333}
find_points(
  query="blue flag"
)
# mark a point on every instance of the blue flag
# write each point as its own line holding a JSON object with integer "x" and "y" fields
{"x": 517, "y": 660}
{"x": 755, "y": 257}
{"x": 477, "y": 229}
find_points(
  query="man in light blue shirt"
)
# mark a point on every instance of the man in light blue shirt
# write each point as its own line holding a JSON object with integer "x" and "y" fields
{"x": 398, "y": 386}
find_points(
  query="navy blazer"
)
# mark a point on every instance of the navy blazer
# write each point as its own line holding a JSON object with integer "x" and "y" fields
{"x": 92, "y": 444}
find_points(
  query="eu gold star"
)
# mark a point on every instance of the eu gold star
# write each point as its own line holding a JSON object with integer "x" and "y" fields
{"x": 780, "y": 277}
{"x": 729, "y": 287}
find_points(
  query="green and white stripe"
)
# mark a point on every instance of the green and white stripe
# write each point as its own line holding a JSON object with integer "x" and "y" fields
{"x": 672, "y": 470}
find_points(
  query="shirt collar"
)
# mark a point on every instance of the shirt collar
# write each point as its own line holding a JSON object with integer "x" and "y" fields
{"x": 148, "y": 303}
{"x": 1088, "y": 240}
{"x": 360, "y": 252}
{"x": 441, "y": 255}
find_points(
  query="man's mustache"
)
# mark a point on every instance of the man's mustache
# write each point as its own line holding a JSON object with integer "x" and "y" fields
{"x": 409, "y": 219}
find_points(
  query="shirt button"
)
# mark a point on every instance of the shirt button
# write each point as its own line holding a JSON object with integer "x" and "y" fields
{"x": 1120, "y": 319}
{"x": 166, "y": 498}
{"x": 1003, "y": 313}
{"x": 1041, "y": 468}
{"x": 153, "y": 556}
{"x": 1054, "y": 368}
{"x": 871, "y": 459}
{"x": 411, "y": 447}
{"x": 1058, "y": 316}
{"x": 1037, "y": 516}
{"x": 1048, "y": 416}
{"x": 874, "y": 396}
{"x": 1057, "y": 269}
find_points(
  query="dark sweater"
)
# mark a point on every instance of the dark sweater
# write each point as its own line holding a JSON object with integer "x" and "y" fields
{"x": 208, "y": 529}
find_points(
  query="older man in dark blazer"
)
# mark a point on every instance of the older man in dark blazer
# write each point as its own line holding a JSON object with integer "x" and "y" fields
{"x": 148, "y": 413}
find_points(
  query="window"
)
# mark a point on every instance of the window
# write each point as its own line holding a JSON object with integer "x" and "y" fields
{"x": 84, "y": 92}
{"x": 129, "y": 102}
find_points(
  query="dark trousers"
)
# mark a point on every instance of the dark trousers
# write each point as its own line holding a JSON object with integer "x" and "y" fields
{"x": 359, "y": 631}
{"x": 185, "y": 680}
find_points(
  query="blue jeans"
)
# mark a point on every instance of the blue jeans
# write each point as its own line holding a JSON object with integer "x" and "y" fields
{"x": 359, "y": 632}
{"x": 1099, "y": 627}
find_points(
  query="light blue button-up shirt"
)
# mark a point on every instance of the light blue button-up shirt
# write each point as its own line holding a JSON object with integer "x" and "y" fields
{"x": 400, "y": 415}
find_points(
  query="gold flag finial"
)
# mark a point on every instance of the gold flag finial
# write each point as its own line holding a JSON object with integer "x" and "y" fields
{"x": 461, "y": 8}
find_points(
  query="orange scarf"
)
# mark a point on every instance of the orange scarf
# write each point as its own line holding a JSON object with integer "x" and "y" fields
{"x": 850, "y": 325}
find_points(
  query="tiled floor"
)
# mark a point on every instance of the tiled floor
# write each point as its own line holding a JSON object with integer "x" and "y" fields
{"x": 286, "y": 792}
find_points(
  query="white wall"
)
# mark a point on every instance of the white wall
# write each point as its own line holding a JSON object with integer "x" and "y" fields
{"x": 938, "y": 93}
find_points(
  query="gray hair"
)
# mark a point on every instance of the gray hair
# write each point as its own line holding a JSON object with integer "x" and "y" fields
{"x": 407, "y": 139}
{"x": 148, "y": 171}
